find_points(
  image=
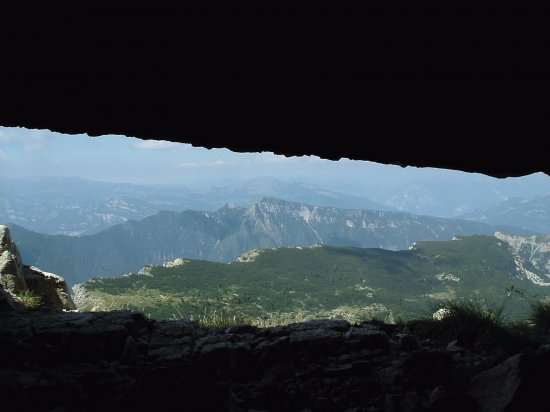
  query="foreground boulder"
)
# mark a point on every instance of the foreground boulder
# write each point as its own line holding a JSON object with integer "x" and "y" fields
{"x": 17, "y": 278}
{"x": 51, "y": 288}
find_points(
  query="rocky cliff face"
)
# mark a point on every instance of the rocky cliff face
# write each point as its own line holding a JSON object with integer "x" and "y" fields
{"x": 17, "y": 278}
{"x": 530, "y": 252}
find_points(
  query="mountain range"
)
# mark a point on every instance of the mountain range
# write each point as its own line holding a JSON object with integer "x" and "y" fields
{"x": 291, "y": 284}
{"x": 455, "y": 195}
{"x": 225, "y": 234}
{"x": 532, "y": 214}
{"x": 75, "y": 206}
{"x": 439, "y": 192}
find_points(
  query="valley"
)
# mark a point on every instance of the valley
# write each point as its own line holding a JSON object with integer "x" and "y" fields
{"x": 225, "y": 234}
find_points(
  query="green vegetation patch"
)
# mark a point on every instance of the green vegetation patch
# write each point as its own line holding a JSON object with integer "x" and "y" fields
{"x": 291, "y": 284}
{"x": 29, "y": 299}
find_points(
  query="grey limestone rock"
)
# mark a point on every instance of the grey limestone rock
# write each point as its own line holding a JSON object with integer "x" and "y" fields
{"x": 11, "y": 268}
{"x": 51, "y": 288}
{"x": 15, "y": 277}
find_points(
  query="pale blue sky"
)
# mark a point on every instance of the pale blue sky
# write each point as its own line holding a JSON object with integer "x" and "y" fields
{"x": 25, "y": 152}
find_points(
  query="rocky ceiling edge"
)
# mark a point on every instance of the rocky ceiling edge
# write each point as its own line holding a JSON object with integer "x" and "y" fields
{"x": 463, "y": 90}
{"x": 441, "y": 120}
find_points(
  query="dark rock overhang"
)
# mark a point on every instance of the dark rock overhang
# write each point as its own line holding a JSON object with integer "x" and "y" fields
{"x": 476, "y": 108}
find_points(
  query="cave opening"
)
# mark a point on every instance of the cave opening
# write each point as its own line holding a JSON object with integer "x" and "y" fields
{"x": 178, "y": 231}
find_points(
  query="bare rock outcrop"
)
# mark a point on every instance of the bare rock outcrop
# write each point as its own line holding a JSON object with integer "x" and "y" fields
{"x": 51, "y": 288}
{"x": 16, "y": 278}
{"x": 11, "y": 268}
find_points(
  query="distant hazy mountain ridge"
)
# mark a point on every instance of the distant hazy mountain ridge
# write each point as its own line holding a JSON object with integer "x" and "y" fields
{"x": 533, "y": 213}
{"x": 74, "y": 206}
{"x": 446, "y": 193}
{"x": 225, "y": 234}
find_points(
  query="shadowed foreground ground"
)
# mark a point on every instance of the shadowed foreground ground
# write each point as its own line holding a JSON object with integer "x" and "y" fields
{"x": 68, "y": 361}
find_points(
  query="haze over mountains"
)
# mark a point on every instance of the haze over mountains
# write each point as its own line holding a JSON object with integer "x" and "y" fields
{"x": 438, "y": 192}
{"x": 453, "y": 193}
{"x": 75, "y": 206}
{"x": 532, "y": 213}
{"x": 225, "y": 234}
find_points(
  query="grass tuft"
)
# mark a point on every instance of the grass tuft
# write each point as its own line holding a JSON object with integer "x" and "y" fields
{"x": 469, "y": 322}
{"x": 29, "y": 299}
{"x": 217, "y": 319}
